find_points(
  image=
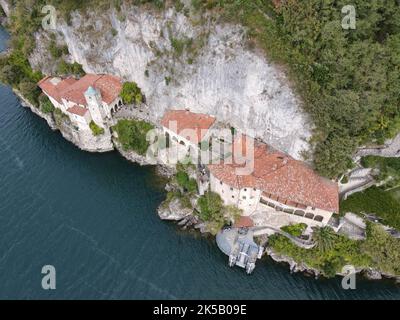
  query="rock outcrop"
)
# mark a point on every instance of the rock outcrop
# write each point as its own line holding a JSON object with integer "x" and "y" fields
{"x": 178, "y": 63}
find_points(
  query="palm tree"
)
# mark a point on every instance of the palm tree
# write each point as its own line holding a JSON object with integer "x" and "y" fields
{"x": 324, "y": 237}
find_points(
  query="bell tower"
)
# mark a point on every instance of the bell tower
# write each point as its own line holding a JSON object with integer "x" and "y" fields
{"x": 94, "y": 102}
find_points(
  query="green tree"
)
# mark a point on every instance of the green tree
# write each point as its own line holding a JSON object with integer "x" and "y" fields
{"x": 45, "y": 104}
{"x": 324, "y": 237}
{"x": 211, "y": 207}
{"x": 383, "y": 249}
{"x": 96, "y": 130}
{"x": 30, "y": 91}
{"x": 131, "y": 93}
{"x": 132, "y": 135}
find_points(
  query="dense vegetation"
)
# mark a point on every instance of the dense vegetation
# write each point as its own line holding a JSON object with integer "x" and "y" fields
{"x": 45, "y": 104}
{"x": 383, "y": 204}
{"x": 295, "y": 229}
{"x": 211, "y": 207}
{"x": 132, "y": 135}
{"x": 131, "y": 93}
{"x": 25, "y": 20}
{"x": 96, "y": 130}
{"x": 332, "y": 252}
{"x": 188, "y": 184}
{"x": 214, "y": 213}
{"x": 60, "y": 117}
{"x": 388, "y": 168}
{"x": 349, "y": 80}
{"x": 66, "y": 69}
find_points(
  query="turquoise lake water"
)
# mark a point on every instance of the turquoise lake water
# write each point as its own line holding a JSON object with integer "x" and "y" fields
{"x": 93, "y": 217}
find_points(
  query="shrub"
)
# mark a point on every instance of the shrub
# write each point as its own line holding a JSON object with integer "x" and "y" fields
{"x": 132, "y": 135}
{"x": 96, "y": 130}
{"x": 45, "y": 104}
{"x": 168, "y": 80}
{"x": 75, "y": 69}
{"x": 56, "y": 51}
{"x": 374, "y": 200}
{"x": 342, "y": 251}
{"x": 179, "y": 5}
{"x": 295, "y": 229}
{"x": 188, "y": 184}
{"x": 383, "y": 249}
{"x": 131, "y": 93}
{"x": 60, "y": 117}
{"x": 211, "y": 207}
{"x": 389, "y": 169}
{"x": 30, "y": 91}
{"x": 345, "y": 179}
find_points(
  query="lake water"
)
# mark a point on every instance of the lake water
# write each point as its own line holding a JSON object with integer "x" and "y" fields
{"x": 93, "y": 217}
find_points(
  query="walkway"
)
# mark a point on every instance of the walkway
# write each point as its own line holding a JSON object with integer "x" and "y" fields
{"x": 306, "y": 244}
{"x": 390, "y": 149}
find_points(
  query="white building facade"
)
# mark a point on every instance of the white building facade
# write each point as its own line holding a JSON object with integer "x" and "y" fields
{"x": 91, "y": 98}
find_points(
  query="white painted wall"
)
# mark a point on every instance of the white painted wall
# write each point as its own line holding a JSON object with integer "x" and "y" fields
{"x": 248, "y": 199}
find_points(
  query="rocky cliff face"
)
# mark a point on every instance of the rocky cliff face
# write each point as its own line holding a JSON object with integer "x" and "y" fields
{"x": 180, "y": 62}
{"x": 6, "y": 6}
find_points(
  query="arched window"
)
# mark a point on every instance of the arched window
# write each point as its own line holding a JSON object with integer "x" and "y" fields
{"x": 120, "y": 103}
{"x": 299, "y": 213}
{"x": 309, "y": 215}
{"x": 167, "y": 137}
{"x": 318, "y": 218}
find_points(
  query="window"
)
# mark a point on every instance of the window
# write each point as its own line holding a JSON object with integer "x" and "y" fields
{"x": 299, "y": 213}
{"x": 313, "y": 208}
{"x": 233, "y": 197}
{"x": 231, "y": 189}
{"x": 309, "y": 215}
{"x": 244, "y": 197}
{"x": 220, "y": 183}
{"x": 245, "y": 189}
{"x": 318, "y": 218}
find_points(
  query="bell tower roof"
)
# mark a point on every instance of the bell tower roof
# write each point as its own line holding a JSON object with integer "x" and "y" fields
{"x": 90, "y": 91}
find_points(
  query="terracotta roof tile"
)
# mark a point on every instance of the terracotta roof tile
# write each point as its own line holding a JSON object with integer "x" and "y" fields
{"x": 73, "y": 90}
{"x": 279, "y": 175}
{"x": 184, "y": 123}
{"x": 54, "y": 86}
{"x": 243, "y": 222}
{"x": 80, "y": 111}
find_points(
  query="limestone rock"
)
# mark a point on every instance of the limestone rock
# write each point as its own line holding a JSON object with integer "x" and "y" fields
{"x": 223, "y": 78}
{"x": 173, "y": 211}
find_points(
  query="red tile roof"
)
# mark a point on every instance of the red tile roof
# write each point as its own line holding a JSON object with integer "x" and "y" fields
{"x": 73, "y": 90}
{"x": 182, "y": 122}
{"x": 80, "y": 111}
{"x": 279, "y": 176}
{"x": 243, "y": 222}
{"x": 54, "y": 86}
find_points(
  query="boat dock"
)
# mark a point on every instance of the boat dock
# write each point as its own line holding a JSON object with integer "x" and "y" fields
{"x": 239, "y": 245}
